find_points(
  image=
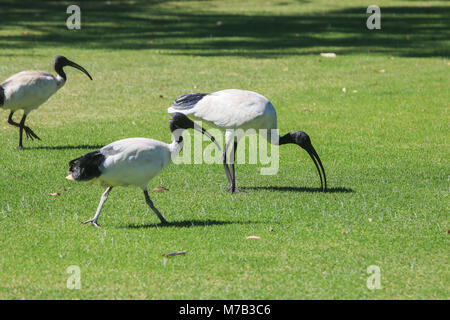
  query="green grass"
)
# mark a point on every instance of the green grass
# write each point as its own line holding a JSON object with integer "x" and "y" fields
{"x": 385, "y": 150}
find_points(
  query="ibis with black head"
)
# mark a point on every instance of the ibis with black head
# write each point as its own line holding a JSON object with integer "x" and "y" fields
{"x": 28, "y": 90}
{"x": 233, "y": 109}
{"x": 132, "y": 162}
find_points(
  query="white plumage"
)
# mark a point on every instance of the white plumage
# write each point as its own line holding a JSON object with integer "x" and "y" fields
{"x": 131, "y": 162}
{"x": 233, "y": 109}
{"x": 135, "y": 161}
{"x": 27, "y": 90}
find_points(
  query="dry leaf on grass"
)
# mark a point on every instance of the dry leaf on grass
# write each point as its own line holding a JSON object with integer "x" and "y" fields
{"x": 328, "y": 55}
{"x": 54, "y": 194}
{"x": 160, "y": 189}
{"x": 253, "y": 237}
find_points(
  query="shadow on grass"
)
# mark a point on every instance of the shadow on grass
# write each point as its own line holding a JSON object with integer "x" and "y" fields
{"x": 409, "y": 30}
{"x": 301, "y": 189}
{"x": 185, "y": 224}
{"x": 82, "y": 146}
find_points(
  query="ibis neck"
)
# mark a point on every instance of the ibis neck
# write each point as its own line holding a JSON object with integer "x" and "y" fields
{"x": 274, "y": 138}
{"x": 59, "y": 70}
{"x": 287, "y": 138}
{"x": 176, "y": 146}
{"x": 60, "y": 80}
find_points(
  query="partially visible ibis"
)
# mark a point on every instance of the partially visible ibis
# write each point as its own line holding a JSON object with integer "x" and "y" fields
{"x": 27, "y": 90}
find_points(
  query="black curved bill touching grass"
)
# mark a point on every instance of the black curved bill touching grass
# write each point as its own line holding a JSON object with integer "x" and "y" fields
{"x": 303, "y": 140}
{"x": 315, "y": 157}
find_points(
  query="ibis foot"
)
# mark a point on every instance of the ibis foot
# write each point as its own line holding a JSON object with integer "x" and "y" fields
{"x": 30, "y": 134}
{"x": 234, "y": 190}
{"x": 93, "y": 222}
{"x": 19, "y": 147}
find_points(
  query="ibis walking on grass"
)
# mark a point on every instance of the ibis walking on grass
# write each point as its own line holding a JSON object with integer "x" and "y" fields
{"x": 240, "y": 109}
{"x": 27, "y": 90}
{"x": 133, "y": 161}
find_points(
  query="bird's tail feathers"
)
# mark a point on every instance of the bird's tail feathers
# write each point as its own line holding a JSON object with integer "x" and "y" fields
{"x": 185, "y": 102}
{"x": 2, "y": 96}
{"x": 86, "y": 167}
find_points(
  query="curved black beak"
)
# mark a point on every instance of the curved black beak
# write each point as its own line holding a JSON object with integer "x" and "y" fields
{"x": 77, "y": 66}
{"x": 315, "y": 157}
{"x": 206, "y": 133}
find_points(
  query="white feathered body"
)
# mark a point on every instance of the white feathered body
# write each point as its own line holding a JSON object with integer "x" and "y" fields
{"x": 233, "y": 109}
{"x": 134, "y": 161}
{"x": 27, "y": 90}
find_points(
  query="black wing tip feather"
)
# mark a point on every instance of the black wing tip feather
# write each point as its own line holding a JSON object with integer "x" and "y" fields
{"x": 2, "y": 96}
{"x": 188, "y": 100}
{"x": 86, "y": 167}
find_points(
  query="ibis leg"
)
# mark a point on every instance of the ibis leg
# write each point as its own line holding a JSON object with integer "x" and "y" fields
{"x": 21, "y": 126}
{"x": 11, "y": 121}
{"x": 233, "y": 174}
{"x": 150, "y": 204}
{"x": 15, "y": 124}
{"x": 227, "y": 170}
{"x": 29, "y": 133}
{"x": 103, "y": 199}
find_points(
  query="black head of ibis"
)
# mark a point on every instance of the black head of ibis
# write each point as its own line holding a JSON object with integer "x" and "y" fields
{"x": 59, "y": 62}
{"x": 180, "y": 121}
{"x": 303, "y": 140}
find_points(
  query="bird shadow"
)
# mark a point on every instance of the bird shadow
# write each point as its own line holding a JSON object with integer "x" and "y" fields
{"x": 301, "y": 189}
{"x": 184, "y": 224}
{"x": 83, "y": 146}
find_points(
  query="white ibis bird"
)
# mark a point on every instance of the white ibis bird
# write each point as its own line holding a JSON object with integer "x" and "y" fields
{"x": 133, "y": 161}
{"x": 27, "y": 90}
{"x": 240, "y": 109}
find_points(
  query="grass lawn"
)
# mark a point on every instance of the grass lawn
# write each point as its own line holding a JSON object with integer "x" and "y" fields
{"x": 383, "y": 142}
